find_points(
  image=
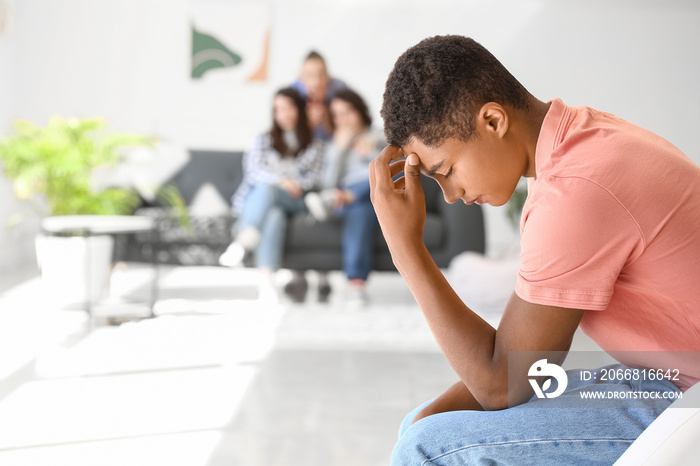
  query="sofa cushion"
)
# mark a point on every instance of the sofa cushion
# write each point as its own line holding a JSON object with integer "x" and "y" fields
{"x": 209, "y": 171}
{"x": 304, "y": 232}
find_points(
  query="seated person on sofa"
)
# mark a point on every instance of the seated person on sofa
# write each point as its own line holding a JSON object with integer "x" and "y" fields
{"x": 281, "y": 166}
{"x": 317, "y": 88}
{"x": 345, "y": 190}
{"x": 609, "y": 243}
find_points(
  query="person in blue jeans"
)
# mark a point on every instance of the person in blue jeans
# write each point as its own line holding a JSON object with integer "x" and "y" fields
{"x": 601, "y": 251}
{"x": 538, "y": 432}
{"x": 280, "y": 167}
{"x": 345, "y": 190}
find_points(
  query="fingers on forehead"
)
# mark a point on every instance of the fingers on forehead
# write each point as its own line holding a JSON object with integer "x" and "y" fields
{"x": 379, "y": 174}
{"x": 391, "y": 153}
{"x": 397, "y": 167}
{"x": 385, "y": 167}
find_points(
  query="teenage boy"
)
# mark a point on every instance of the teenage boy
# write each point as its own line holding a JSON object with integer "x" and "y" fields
{"x": 610, "y": 244}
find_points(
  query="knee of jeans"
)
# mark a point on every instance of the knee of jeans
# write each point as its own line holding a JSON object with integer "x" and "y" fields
{"x": 265, "y": 191}
{"x": 408, "y": 450}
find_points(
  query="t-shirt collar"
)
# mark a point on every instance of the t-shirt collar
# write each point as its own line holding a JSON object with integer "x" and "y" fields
{"x": 551, "y": 134}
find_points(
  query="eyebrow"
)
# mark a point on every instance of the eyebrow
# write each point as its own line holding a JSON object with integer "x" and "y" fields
{"x": 432, "y": 171}
{"x": 435, "y": 168}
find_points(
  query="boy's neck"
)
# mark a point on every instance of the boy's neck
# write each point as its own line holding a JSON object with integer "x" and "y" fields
{"x": 531, "y": 123}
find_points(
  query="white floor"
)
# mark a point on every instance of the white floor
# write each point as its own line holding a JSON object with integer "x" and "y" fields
{"x": 217, "y": 378}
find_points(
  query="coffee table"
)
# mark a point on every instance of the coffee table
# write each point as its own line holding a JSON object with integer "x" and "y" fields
{"x": 86, "y": 226}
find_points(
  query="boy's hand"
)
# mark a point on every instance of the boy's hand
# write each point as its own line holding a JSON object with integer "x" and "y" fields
{"x": 400, "y": 204}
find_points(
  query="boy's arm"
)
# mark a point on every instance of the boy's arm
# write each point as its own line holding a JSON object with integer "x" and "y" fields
{"x": 456, "y": 398}
{"x": 475, "y": 350}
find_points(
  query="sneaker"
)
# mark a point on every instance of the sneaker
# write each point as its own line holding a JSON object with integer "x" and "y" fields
{"x": 233, "y": 256}
{"x": 324, "y": 289}
{"x": 297, "y": 287}
{"x": 321, "y": 204}
{"x": 356, "y": 297}
{"x": 249, "y": 238}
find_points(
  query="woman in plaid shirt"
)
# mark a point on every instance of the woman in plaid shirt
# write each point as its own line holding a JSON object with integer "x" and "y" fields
{"x": 282, "y": 165}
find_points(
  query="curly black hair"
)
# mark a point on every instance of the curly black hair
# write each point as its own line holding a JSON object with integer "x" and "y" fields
{"x": 437, "y": 86}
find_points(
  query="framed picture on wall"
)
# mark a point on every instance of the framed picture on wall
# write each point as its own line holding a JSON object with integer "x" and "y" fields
{"x": 230, "y": 42}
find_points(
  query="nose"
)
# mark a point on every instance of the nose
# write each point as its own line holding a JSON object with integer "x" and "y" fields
{"x": 450, "y": 194}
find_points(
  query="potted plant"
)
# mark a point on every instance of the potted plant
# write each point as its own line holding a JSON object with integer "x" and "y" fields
{"x": 52, "y": 167}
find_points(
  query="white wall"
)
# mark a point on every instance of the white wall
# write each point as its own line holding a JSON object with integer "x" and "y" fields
{"x": 128, "y": 61}
{"x": 16, "y": 239}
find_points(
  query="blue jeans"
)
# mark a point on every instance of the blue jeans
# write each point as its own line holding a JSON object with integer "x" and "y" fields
{"x": 359, "y": 224}
{"x": 550, "y": 431}
{"x": 267, "y": 207}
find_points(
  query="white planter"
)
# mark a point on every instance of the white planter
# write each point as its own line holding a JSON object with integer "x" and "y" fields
{"x": 65, "y": 271}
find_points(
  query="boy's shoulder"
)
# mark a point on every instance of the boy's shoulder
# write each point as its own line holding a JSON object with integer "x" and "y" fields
{"x": 585, "y": 142}
{"x": 598, "y": 161}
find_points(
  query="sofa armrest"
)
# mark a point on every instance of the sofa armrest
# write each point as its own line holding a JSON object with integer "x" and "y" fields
{"x": 672, "y": 438}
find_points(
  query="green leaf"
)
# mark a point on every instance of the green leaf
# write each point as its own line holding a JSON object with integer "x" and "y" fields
{"x": 169, "y": 195}
{"x": 57, "y": 160}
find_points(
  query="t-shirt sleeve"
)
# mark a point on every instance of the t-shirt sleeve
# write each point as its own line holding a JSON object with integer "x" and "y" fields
{"x": 576, "y": 239}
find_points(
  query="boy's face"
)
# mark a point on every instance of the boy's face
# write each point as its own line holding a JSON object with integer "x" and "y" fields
{"x": 484, "y": 170}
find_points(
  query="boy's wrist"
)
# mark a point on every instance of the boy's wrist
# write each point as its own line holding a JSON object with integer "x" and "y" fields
{"x": 408, "y": 255}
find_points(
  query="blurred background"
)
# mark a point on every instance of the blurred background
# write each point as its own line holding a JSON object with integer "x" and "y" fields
{"x": 130, "y": 62}
{"x": 139, "y": 65}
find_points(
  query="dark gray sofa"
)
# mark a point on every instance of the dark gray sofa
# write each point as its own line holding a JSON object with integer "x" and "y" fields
{"x": 310, "y": 245}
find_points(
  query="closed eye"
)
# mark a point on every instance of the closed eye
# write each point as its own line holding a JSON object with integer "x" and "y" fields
{"x": 449, "y": 173}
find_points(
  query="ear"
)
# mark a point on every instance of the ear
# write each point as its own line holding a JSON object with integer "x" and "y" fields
{"x": 493, "y": 119}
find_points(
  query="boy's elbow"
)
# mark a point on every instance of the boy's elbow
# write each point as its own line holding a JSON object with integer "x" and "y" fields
{"x": 500, "y": 395}
{"x": 494, "y": 401}
{"x": 492, "y": 395}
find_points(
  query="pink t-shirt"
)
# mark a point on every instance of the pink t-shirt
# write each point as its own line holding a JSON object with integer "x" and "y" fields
{"x": 611, "y": 225}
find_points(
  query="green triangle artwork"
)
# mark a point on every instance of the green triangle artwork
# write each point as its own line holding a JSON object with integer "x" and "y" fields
{"x": 209, "y": 53}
